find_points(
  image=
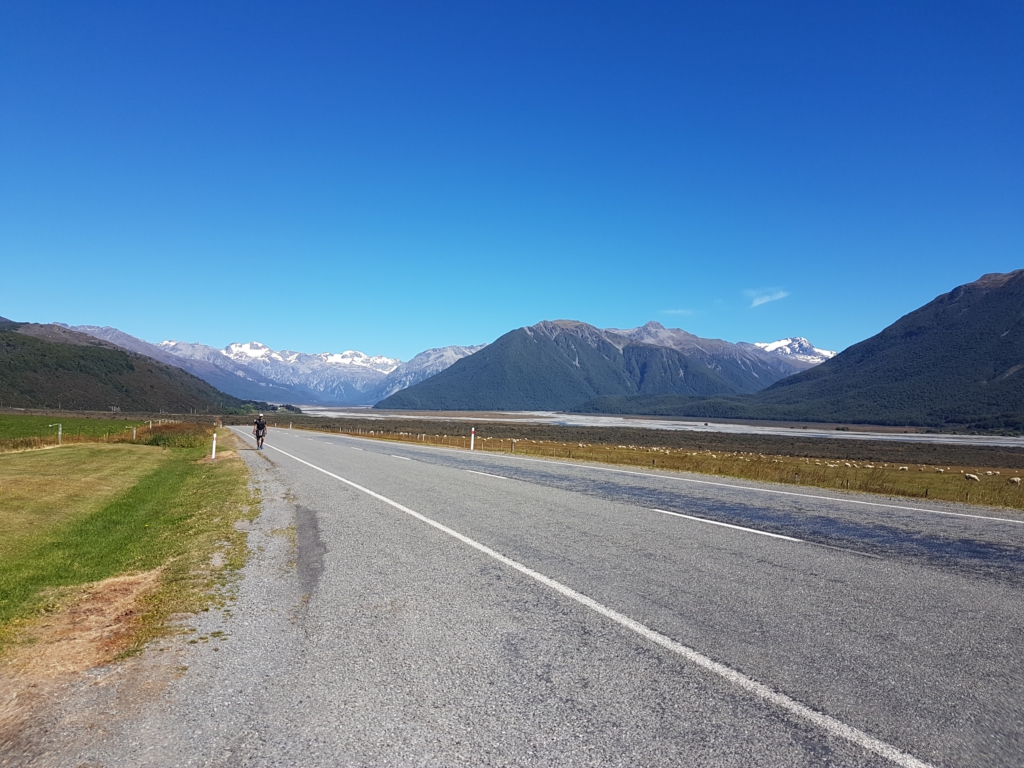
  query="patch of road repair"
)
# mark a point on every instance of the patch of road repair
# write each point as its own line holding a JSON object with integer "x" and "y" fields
{"x": 309, "y": 561}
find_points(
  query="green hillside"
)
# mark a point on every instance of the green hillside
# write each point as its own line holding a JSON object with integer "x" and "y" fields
{"x": 958, "y": 360}
{"x": 49, "y": 367}
{"x": 528, "y": 370}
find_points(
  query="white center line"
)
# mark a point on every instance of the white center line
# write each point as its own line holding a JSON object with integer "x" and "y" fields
{"x": 727, "y": 525}
{"x": 403, "y": 458}
{"x": 760, "y": 690}
{"x": 354, "y": 448}
{"x": 485, "y": 474}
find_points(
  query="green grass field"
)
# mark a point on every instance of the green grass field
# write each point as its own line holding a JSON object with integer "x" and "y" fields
{"x": 14, "y": 426}
{"x": 86, "y": 512}
{"x": 19, "y": 431}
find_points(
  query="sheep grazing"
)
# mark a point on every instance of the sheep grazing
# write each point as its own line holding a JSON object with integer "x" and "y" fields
{"x": 975, "y": 478}
{"x": 940, "y": 470}
{"x": 904, "y": 469}
{"x": 1014, "y": 481}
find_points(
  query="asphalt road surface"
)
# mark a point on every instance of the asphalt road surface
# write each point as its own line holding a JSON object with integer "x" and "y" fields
{"x": 417, "y": 606}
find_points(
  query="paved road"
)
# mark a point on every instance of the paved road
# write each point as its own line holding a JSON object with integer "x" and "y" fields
{"x": 638, "y": 422}
{"x": 446, "y": 608}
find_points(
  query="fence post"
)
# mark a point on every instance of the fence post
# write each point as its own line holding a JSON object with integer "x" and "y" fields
{"x": 214, "y": 454}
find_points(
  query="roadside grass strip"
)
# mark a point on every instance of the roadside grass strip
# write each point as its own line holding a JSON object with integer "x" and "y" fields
{"x": 827, "y": 723}
{"x": 172, "y": 512}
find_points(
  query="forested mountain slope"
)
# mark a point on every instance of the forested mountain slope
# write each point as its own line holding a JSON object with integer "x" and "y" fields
{"x": 47, "y": 366}
{"x": 958, "y": 360}
{"x": 558, "y": 365}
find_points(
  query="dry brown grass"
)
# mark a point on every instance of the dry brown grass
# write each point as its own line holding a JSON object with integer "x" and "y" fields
{"x": 90, "y": 628}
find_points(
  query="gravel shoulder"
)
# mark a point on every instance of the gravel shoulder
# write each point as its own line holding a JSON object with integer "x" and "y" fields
{"x": 170, "y": 705}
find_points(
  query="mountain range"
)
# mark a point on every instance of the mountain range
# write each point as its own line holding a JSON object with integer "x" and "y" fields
{"x": 254, "y": 371}
{"x": 556, "y": 365}
{"x": 958, "y": 360}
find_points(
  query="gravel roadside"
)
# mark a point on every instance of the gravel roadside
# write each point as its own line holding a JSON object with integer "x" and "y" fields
{"x": 187, "y": 699}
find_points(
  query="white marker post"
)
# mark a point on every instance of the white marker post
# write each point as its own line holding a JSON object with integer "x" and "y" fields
{"x": 472, "y": 437}
{"x": 133, "y": 433}
{"x": 60, "y": 430}
{"x": 214, "y": 454}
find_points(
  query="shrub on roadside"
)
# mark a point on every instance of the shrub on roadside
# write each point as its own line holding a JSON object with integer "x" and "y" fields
{"x": 178, "y": 436}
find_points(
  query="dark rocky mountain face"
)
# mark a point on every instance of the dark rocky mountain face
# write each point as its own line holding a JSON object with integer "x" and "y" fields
{"x": 958, "y": 360}
{"x": 557, "y": 365}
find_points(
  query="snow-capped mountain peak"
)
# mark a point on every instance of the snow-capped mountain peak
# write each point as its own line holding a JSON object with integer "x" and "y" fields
{"x": 352, "y": 357}
{"x": 252, "y": 350}
{"x": 327, "y": 377}
{"x": 796, "y": 347}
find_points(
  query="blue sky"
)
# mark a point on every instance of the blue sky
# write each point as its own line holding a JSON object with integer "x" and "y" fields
{"x": 390, "y": 177}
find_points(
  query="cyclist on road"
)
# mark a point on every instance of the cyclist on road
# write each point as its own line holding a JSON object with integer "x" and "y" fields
{"x": 259, "y": 428}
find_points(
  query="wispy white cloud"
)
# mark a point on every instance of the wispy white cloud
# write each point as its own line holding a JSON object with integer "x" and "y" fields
{"x": 764, "y": 296}
{"x": 678, "y": 312}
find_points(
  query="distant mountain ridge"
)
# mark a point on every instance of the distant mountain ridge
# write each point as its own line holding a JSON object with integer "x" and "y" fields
{"x": 555, "y": 365}
{"x": 421, "y": 367}
{"x": 325, "y": 378}
{"x": 958, "y": 360}
{"x": 649, "y": 359}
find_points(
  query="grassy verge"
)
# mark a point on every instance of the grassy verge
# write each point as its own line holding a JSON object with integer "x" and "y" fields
{"x": 83, "y": 513}
{"x": 910, "y": 479}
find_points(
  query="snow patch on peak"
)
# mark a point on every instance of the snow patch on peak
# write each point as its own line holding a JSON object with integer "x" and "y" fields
{"x": 796, "y": 347}
{"x": 251, "y": 351}
{"x": 353, "y": 357}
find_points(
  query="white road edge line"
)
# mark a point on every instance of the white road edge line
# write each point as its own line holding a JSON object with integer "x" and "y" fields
{"x": 355, "y": 449}
{"x": 727, "y": 525}
{"x": 403, "y": 458}
{"x": 760, "y": 690}
{"x": 485, "y": 474}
